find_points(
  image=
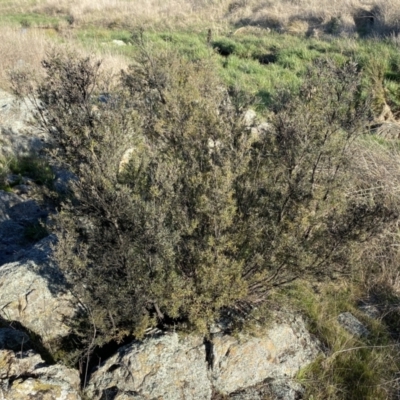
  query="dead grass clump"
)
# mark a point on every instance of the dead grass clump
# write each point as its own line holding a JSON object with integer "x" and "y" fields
{"x": 297, "y": 27}
{"x": 113, "y": 63}
{"x": 269, "y": 19}
{"x": 376, "y": 167}
{"x": 251, "y": 30}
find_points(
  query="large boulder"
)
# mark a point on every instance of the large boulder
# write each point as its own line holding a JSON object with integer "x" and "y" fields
{"x": 17, "y": 136}
{"x": 16, "y": 214}
{"x": 277, "y": 353}
{"x": 32, "y": 293}
{"x": 170, "y": 367}
{"x": 24, "y": 375}
{"x": 166, "y": 367}
{"x": 349, "y": 322}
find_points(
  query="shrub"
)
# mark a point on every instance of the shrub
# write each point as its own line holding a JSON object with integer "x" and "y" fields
{"x": 202, "y": 216}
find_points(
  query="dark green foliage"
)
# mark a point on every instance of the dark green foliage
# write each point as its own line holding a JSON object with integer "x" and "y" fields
{"x": 203, "y": 215}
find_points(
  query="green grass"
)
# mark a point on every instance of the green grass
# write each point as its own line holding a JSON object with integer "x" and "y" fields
{"x": 28, "y": 20}
{"x": 96, "y": 36}
{"x": 260, "y": 64}
{"x": 33, "y": 167}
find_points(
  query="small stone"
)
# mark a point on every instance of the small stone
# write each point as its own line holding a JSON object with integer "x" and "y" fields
{"x": 215, "y": 328}
{"x": 119, "y": 42}
{"x": 286, "y": 390}
{"x": 370, "y": 311}
{"x": 249, "y": 118}
{"x": 349, "y": 322}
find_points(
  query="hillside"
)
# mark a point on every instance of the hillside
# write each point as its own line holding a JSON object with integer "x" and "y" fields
{"x": 186, "y": 165}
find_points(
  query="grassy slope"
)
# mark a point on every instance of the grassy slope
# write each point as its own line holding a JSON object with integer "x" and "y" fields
{"x": 258, "y": 62}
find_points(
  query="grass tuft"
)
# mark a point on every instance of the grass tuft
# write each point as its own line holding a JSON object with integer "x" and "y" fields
{"x": 33, "y": 167}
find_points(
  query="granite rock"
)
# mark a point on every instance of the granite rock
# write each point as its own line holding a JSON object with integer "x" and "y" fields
{"x": 276, "y": 353}
{"x": 166, "y": 367}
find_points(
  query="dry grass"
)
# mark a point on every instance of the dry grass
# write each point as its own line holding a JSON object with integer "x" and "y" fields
{"x": 333, "y": 16}
{"x": 26, "y": 48}
{"x": 20, "y": 48}
{"x": 376, "y": 165}
{"x": 128, "y": 13}
{"x": 329, "y": 15}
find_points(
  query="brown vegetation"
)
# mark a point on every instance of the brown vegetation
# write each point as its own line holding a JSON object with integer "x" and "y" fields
{"x": 20, "y": 49}
{"x": 24, "y": 50}
{"x": 379, "y": 16}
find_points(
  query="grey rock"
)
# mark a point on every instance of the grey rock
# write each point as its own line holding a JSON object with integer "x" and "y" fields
{"x": 24, "y": 375}
{"x": 104, "y": 98}
{"x": 32, "y": 293}
{"x": 118, "y": 42}
{"x": 27, "y": 210}
{"x": 280, "y": 389}
{"x": 349, "y": 322}
{"x": 283, "y": 389}
{"x": 370, "y": 311}
{"x": 16, "y": 213}
{"x": 62, "y": 181}
{"x": 7, "y": 201}
{"x": 276, "y": 353}
{"x": 11, "y": 230}
{"x": 259, "y": 392}
{"x": 249, "y": 118}
{"x": 12, "y": 339}
{"x": 167, "y": 367}
{"x": 17, "y": 135}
